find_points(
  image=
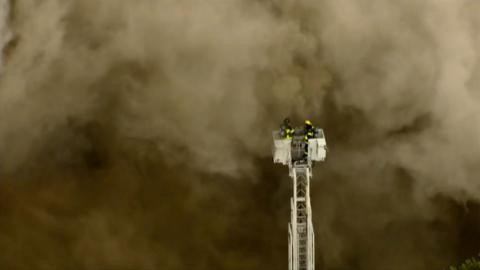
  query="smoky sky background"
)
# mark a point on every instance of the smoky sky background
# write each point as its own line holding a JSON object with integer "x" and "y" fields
{"x": 137, "y": 134}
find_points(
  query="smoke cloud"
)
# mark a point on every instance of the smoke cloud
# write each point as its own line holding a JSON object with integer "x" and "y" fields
{"x": 136, "y": 135}
{"x": 5, "y": 34}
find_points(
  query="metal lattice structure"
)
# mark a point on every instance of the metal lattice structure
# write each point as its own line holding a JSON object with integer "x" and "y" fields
{"x": 292, "y": 152}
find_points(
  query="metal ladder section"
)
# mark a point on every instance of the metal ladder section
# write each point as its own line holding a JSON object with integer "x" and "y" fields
{"x": 301, "y": 236}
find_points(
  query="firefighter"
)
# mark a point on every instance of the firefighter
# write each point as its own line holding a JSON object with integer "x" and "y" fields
{"x": 309, "y": 134}
{"x": 286, "y": 129}
{"x": 309, "y": 130}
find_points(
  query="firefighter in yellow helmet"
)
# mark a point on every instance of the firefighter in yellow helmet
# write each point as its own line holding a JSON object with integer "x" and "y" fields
{"x": 309, "y": 134}
{"x": 309, "y": 130}
{"x": 286, "y": 129}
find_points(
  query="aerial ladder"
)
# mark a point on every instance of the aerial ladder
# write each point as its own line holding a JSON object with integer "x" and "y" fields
{"x": 299, "y": 155}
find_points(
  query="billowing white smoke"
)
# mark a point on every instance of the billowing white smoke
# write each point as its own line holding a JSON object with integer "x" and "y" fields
{"x": 5, "y": 34}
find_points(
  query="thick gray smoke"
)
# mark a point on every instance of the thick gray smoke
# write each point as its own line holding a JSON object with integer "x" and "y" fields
{"x": 5, "y": 34}
{"x": 136, "y": 134}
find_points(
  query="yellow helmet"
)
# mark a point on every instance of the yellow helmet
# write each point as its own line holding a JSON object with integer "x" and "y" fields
{"x": 307, "y": 122}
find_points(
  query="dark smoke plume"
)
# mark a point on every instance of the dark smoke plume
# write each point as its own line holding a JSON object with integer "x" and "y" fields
{"x": 136, "y": 134}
